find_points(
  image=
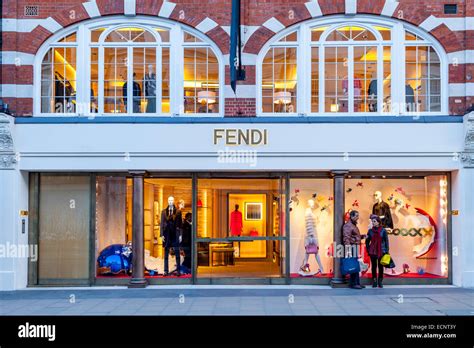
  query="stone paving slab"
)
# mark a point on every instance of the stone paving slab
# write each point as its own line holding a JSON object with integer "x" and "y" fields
{"x": 430, "y": 301}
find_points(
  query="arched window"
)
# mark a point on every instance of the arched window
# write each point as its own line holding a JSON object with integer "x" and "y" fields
{"x": 58, "y": 76}
{"x": 143, "y": 67}
{"x": 363, "y": 66}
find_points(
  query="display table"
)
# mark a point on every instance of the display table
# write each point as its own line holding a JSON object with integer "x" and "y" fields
{"x": 221, "y": 255}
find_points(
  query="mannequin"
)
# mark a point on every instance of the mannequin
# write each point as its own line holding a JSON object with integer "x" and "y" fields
{"x": 382, "y": 209}
{"x": 170, "y": 232}
{"x": 236, "y": 223}
{"x": 150, "y": 90}
{"x": 310, "y": 238}
{"x": 372, "y": 92}
{"x": 136, "y": 92}
{"x": 410, "y": 98}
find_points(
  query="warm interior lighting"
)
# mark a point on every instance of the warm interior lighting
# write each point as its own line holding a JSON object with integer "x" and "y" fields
{"x": 285, "y": 84}
{"x": 282, "y": 98}
{"x": 334, "y": 107}
{"x": 208, "y": 97}
{"x": 70, "y": 71}
{"x": 371, "y": 56}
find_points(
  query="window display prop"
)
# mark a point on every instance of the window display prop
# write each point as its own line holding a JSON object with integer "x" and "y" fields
{"x": 311, "y": 243}
{"x": 236, "y": 223}
{"x": 311, "y": 228}
{"x": 414, "y": 214}
{"x": 253, "y": 211}
{"x": 115, "y": 259}
{"x": 114, "y": 225}
{"x": 170, "y": 232}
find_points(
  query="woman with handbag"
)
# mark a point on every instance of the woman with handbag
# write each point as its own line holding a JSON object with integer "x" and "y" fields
{"x": 377, "y": 246}
{"x": 351, "y": 238}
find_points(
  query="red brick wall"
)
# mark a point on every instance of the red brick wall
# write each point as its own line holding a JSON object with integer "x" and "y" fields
{"x": 240, "y": 107}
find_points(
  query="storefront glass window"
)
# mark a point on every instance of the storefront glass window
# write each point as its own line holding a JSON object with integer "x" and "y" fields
{"x": 348, "y": 68}
{"x": 201, "y": 79}
{"x": 58, "y": 79}
{"x": 239, "y": 222}
{"x": 279, "y": 77}
{"x": 113, "y": 226}
{"x": 423, "y": 79}
{"x": 64, "y": 220}
{"x": 311, "y": 228}
{"x": 414, "y": 214}
{"x": 130, "y": 72}
{"x": 168, "y": 215}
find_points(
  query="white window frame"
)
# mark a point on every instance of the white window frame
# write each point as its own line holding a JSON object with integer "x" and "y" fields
{"x": 397, "y": 44}
{"x": 83, "y": 45}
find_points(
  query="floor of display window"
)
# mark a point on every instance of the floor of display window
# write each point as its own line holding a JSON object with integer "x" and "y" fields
{"x": 244, "y": 269}
{"x": 184, "y": 276}
{"x": 319, "y": 275}
{"x": 407, "y": 275}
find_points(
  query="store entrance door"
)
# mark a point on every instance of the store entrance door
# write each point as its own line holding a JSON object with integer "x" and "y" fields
{"x": 239, "y": 231}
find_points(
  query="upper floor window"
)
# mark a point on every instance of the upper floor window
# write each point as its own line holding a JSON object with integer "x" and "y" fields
{"x": 364, "y": 67}
{"x": 109, "y": 68}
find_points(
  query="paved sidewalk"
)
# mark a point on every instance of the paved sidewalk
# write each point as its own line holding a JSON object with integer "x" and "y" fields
{"x": 245, "y": 300}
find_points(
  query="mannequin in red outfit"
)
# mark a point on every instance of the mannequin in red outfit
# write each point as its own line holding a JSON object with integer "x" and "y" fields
{"x": 236, "y": 222}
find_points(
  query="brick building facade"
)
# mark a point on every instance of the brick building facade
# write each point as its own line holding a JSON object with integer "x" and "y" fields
{"x": 22, "y": 35}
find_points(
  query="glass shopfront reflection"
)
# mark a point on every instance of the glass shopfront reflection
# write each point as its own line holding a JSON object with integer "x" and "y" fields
{"x": 276, "y": 229}
{"x": 240, "y": 228}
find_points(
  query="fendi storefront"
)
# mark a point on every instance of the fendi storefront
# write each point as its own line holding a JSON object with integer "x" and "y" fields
{"x": 228, "y": 204}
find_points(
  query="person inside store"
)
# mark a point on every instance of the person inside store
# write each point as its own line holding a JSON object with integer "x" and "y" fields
{"x": 186, "y": 242}
{"x": 351, "y": 238}
{"x": 377, "y": 246}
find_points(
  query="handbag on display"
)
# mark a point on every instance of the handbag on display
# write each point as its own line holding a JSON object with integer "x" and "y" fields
{"x": 311, "y": 248}
{"x": 385, "y": 260}
{"x": 253, "y": 233}
{"x": 350, "y": 265}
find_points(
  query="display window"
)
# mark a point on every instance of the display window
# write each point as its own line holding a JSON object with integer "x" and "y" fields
{"x": 311, "y": 228}
{"x": 414, "y": 213}
{"x": 167, "y": 227}
{"x": 240, "y": 227}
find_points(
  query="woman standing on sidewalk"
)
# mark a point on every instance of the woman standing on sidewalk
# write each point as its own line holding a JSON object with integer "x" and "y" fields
{"x": 377, "y": 246}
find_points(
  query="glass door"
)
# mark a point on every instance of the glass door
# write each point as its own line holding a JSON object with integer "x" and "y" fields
{"x": 240, "y": 228}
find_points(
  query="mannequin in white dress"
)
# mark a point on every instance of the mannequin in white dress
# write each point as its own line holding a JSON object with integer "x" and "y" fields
{"x": 311, "y": 239}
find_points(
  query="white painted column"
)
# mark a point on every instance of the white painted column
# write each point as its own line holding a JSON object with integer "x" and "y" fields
{"x": 463, "y": 200}
{"x": 463, "y": 227}
{"x": 13, "y": 198}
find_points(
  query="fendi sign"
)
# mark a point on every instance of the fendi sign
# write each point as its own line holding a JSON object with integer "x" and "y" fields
{"x": 235, "y": 137}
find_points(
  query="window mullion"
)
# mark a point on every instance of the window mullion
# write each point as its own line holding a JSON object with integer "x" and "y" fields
{"x": 159, "y": 80}
{"x": 130, "y": 81}
{"x": 350, "y": 79}
{"x": 398, "y": 70}
{"x": 100, "y": 93}
{"x": 83, "y": 80}
{"x": 322, "y": 63}
{"x": 176, "y": 82}
{"x": 380, "y": 79}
